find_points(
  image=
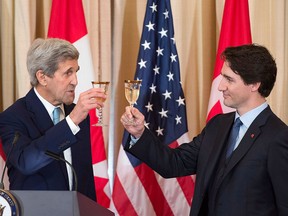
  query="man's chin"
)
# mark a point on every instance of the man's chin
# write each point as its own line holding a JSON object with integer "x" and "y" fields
{"x": 69, "y": 102}
{"x": 230, "y": 105}
{"x": 226, "y": 103}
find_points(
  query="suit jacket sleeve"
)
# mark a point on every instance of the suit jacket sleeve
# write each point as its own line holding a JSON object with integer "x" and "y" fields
{"x": 278, "y": 170}
{"x": 29, "y": 117}
{"x": 28, "y": 154}
{"x": 166, "y": 161}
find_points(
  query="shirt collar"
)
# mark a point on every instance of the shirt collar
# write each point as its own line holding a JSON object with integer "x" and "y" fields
{"x": 250, "y": 116}
{"x": 48, "y": 106}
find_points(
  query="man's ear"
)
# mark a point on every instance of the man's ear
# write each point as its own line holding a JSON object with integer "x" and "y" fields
{"x": 41, "y": 77}
{"x": 255, "y": 86}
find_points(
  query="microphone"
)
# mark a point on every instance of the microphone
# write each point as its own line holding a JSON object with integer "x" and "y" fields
{"x": 58, "y": 157}
{"x": 16, "y": 137}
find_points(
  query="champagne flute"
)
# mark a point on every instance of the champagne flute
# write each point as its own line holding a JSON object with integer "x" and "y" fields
{"x": 132, "y": 90}
{"x": 99, "y": 112}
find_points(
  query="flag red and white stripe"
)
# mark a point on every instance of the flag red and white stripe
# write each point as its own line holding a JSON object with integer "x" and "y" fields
{"x": 67, "y": 21}
{"x": 141, "y": 191}
{"x": 138, "y": 190}
{"x": 235, "y": 31}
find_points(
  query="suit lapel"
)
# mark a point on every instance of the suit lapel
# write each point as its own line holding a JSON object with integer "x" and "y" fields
{"x": 248, "y": 140}
{"x": 43, "y": 122}
{"x": 39, "y": 114}
{"x": 68, "y": 109}
{"x": 220, "y": 145}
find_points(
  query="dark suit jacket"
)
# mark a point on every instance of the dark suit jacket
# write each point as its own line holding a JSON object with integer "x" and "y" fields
{"x": 29, "y": 168}
{"x": 255, "y": 180}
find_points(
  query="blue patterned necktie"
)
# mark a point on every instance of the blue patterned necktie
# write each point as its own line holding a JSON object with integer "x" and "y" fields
{"x": 233, "y": 136}
{"x": 56, "y": 115}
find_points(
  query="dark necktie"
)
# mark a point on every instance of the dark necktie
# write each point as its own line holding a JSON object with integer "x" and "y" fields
{"x": 233, "y": 136}
{"x": 56, "y": 115}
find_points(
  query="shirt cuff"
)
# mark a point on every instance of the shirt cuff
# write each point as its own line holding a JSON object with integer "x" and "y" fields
{"x": 132, "y": 141}
{"x": 74, "y": 128}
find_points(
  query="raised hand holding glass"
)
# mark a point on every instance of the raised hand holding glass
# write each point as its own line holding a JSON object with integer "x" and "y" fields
{"x": 99, "y": 112}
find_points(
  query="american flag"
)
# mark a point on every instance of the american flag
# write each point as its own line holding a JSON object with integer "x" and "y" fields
{"x": 137, "y": 189}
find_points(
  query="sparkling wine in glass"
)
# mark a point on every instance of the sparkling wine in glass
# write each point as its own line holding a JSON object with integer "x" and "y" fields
{"x": 99, "y": 111}
{"x": 132, "y": 90}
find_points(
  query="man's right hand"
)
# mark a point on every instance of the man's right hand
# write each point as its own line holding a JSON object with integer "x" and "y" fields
{"x": 90, "y": 99}
{"x": 133, "y": 121}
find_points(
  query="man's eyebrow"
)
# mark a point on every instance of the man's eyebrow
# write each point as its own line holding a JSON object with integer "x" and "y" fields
{"x": 226, "y": 76}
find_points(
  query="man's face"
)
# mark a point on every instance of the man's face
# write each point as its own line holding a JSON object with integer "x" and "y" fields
{"x": 236, "y": 93}
{"x": 61, "y": 87}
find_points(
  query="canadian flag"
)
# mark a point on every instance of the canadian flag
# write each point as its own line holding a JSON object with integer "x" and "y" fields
{"x": 67, "y": 21}
{"x": 235, "y": 31}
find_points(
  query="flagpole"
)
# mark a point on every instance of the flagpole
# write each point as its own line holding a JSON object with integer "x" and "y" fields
{"x": 99, "y": 44}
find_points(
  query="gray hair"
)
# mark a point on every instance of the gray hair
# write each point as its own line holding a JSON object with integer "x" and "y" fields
{"x": 46, "y": 54}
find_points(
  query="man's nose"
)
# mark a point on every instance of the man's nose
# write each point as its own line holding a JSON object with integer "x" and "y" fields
{"x": 74, "y": 80}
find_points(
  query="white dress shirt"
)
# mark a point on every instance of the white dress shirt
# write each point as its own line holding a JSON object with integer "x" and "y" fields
{"x": 74, "y": 128}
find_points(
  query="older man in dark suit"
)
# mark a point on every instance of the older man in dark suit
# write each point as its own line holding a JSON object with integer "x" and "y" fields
{"x": 244, "y": 177}
{"x": 52, "y": 65}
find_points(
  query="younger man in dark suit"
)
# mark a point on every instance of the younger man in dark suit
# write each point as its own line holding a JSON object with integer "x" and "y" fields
{"x": 252, "y": 180}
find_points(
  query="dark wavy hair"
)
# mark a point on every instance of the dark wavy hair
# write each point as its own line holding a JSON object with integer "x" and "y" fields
{"x": 253, "y": 63}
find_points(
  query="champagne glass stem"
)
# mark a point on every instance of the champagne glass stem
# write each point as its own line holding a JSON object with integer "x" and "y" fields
{"x": 99, "y": 114}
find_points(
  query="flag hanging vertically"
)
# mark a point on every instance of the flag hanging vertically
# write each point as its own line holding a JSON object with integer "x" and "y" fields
{"x": 67, "y": 21}
{"x": 138, "y": 190}
{"x": 235, "y": 31}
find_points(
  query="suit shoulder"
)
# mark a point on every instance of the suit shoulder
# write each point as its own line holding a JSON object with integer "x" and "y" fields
{"x": 221, "y": 118}
{"x": 276, "y": 122}
{"x": 18, "y": 106}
